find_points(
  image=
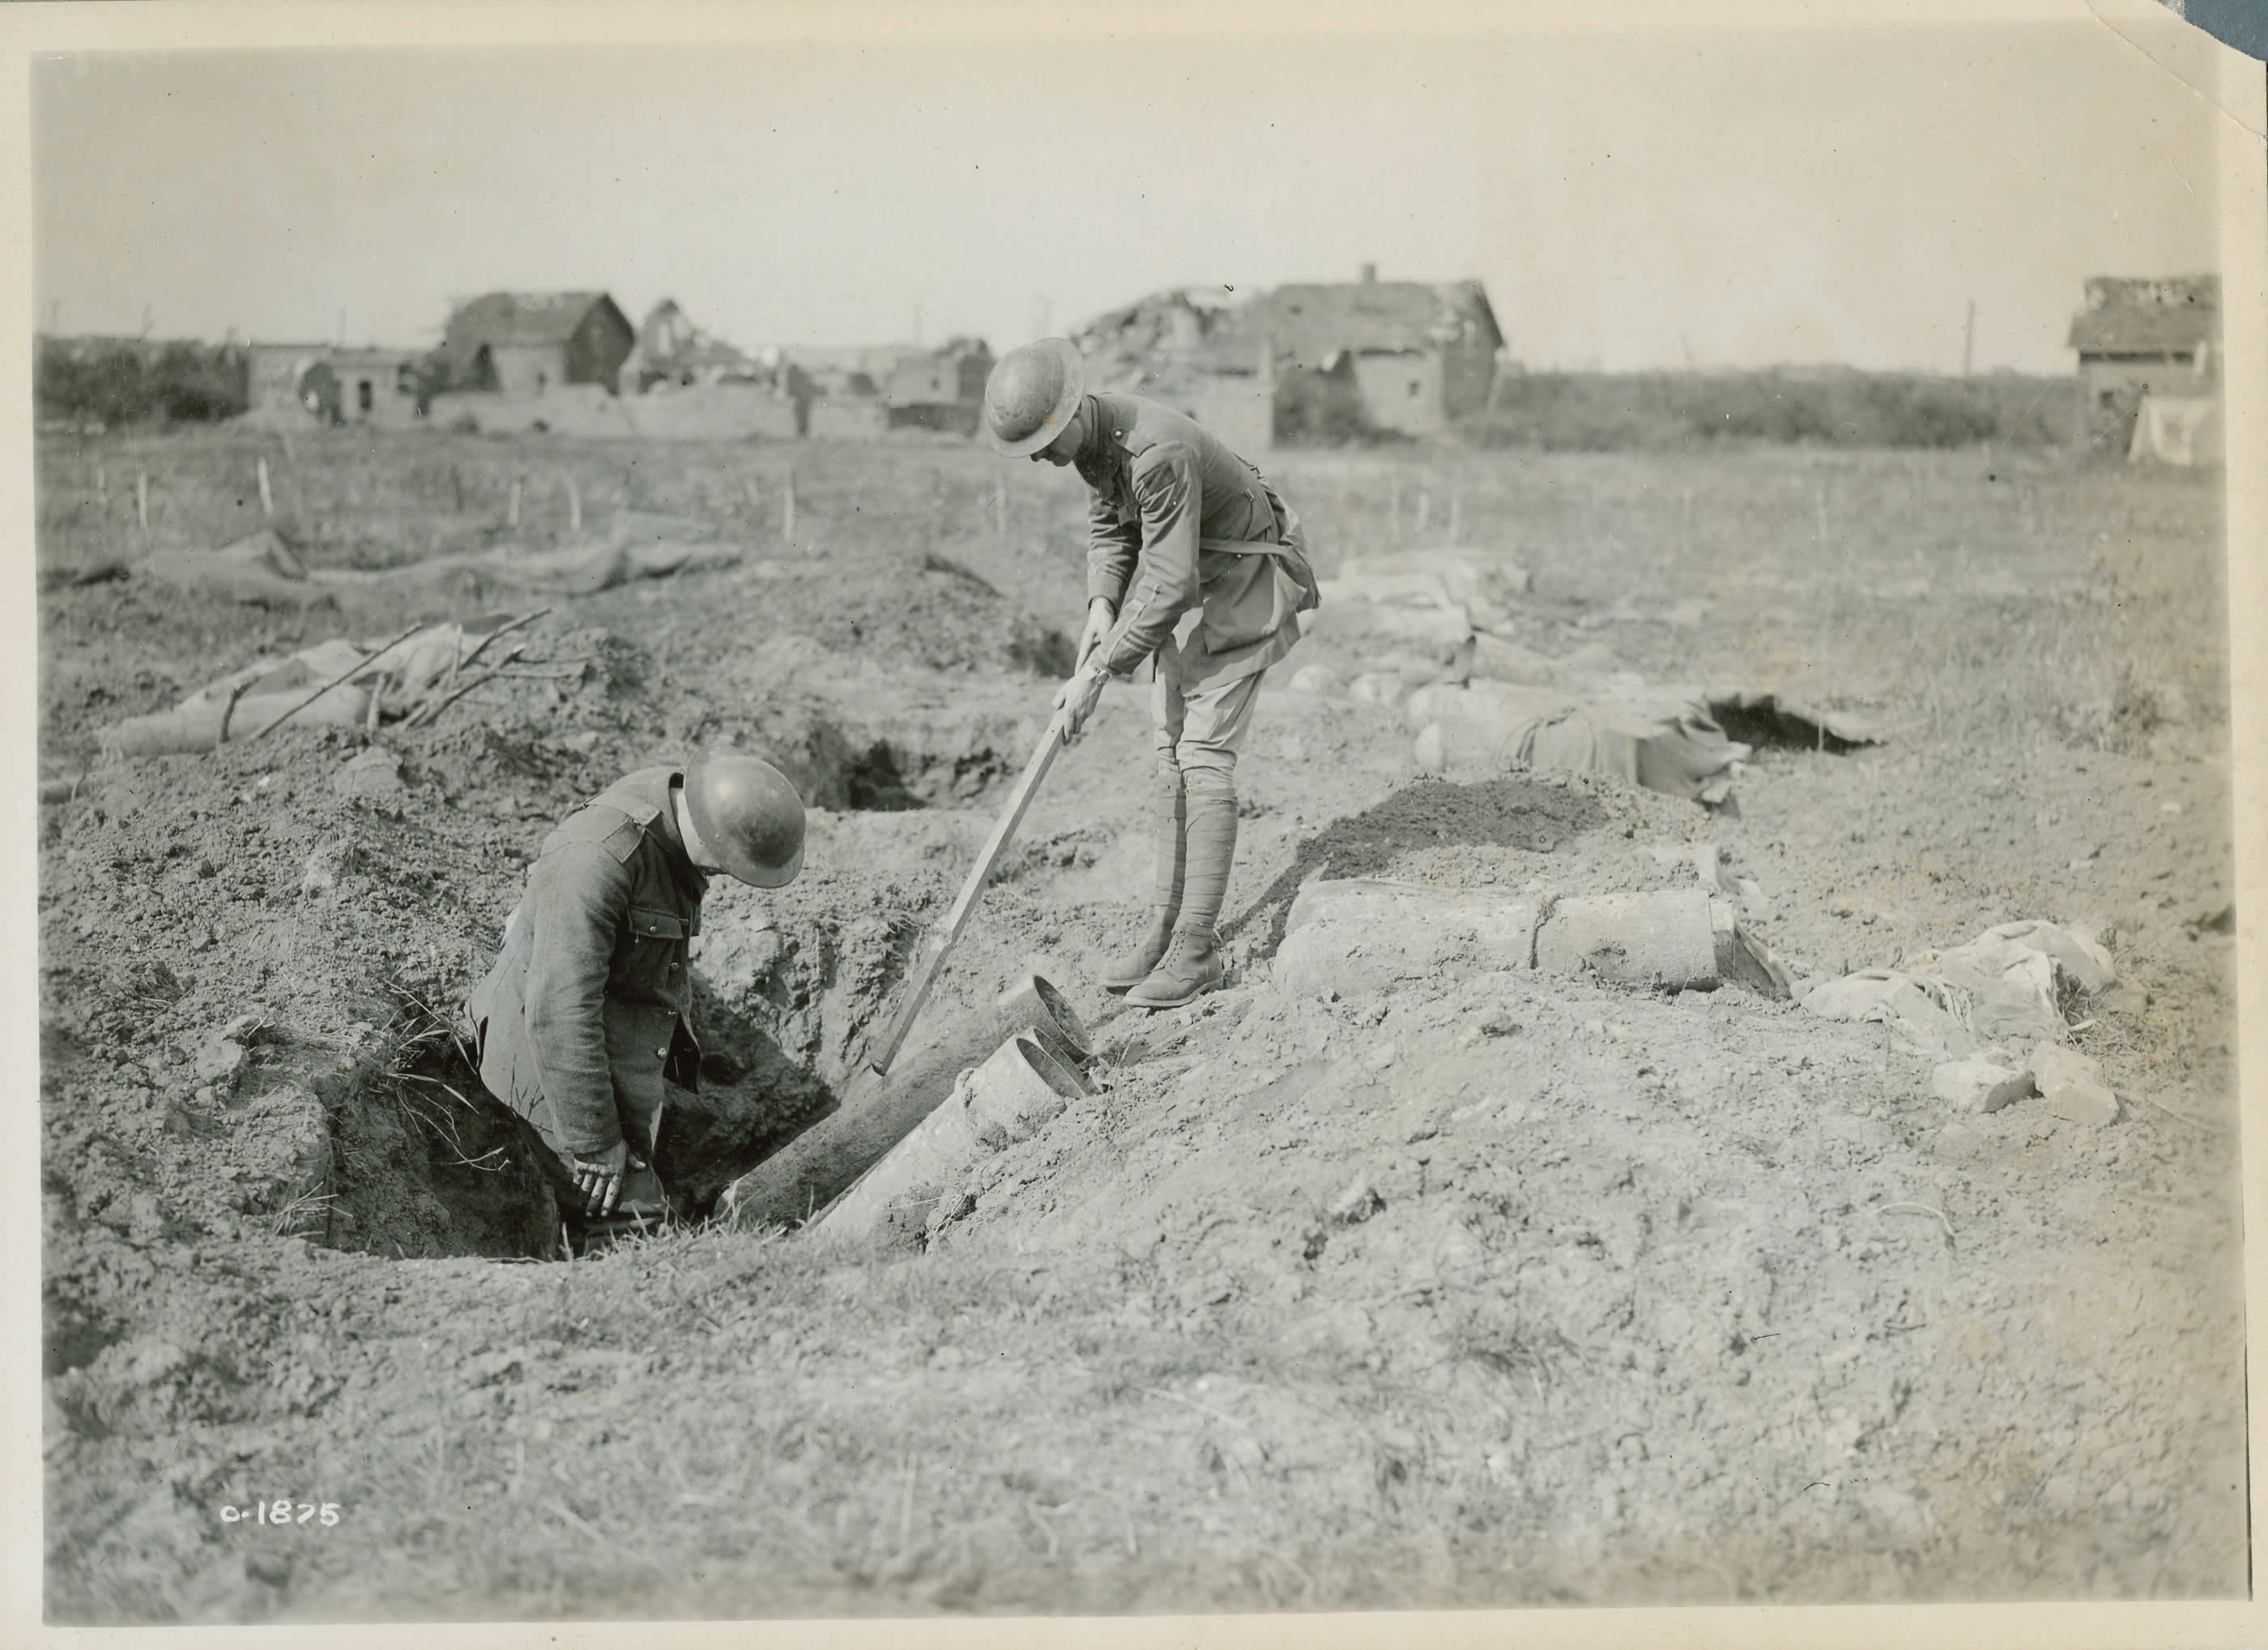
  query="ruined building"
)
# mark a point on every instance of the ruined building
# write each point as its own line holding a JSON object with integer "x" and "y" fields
{"x": 523, "y": 343}
{"x": 1412, "y": 355}
{"x": 2148, "y": 360}
{"x": 1312, "y": 360}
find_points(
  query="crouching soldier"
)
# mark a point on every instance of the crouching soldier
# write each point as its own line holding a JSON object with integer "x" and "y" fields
{"x": 582, "y": 1025}
{"x": 1195, "y": 563}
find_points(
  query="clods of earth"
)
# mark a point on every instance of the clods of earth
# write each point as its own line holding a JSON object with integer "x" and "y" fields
{"x": 1486, "y": 1287}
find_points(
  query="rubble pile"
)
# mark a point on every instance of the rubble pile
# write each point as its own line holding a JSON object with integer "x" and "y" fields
{"x": 1158, "y": 345}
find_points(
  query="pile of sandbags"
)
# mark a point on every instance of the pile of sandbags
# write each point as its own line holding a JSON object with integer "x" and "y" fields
{"x": 264, "y": 570}
{"x": 1662, "y": 742}
{"x": 2006, "y": 986}
{"x": 404, "y": 673}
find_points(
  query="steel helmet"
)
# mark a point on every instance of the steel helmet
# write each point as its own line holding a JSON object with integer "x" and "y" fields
{"x": 1031, "y": 396}
{"x": 748, "y": 816}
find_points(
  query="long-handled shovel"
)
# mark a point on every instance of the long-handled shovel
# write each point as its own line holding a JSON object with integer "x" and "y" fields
{"x": 941, "y": 937}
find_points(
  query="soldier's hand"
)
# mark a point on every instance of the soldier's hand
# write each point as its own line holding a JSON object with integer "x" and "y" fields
{"x": 1075, "y": 700}
{"x": 1100, "y": 618}
{"x": 599, "y": 1179}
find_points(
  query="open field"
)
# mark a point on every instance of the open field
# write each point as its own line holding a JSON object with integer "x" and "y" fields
{"x": 1694, "y": 1298}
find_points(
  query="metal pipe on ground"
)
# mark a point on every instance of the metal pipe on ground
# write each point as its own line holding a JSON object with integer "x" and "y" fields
{"x": 877, "y": 1112}
{"x": 1359, "y": 937}
{"x": 1008, "y": 1098}
{"x": 1665, "y": 938}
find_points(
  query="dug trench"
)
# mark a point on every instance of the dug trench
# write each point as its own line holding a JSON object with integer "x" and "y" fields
{"x": 1485, "y": 1287}
{"x": 254, "y": 959}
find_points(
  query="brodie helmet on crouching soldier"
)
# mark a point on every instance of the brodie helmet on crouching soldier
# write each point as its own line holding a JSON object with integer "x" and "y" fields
{"x": 749, "y": 816}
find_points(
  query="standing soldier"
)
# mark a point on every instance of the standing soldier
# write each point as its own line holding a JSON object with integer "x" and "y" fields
{"x": 1195, "y": 563}
{"x": 582, "y": 1025}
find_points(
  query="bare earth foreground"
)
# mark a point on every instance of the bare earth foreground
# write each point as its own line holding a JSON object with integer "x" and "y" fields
{"x": 1693, "y": 1298}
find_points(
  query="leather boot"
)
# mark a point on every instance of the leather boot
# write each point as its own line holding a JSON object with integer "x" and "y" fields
{"x": 1168, "y": 813}
{"x": 1192, "y": 965}
{"x": 1191, "y": 968}
{"x": 1132, "y": 968}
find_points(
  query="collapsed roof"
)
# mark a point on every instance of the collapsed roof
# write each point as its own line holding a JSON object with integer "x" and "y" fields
{"x": 2178, "y": 316}
{"x": 670, "y": 345}
{"x": 1163, "y": 340}
{"x": 1311, "y": 323}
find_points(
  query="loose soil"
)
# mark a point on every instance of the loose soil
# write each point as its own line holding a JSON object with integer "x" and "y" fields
{"x": 1497, "y": 1289}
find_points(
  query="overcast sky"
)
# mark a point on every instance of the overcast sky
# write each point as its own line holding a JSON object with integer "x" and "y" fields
{"x": 1631, "y": 199}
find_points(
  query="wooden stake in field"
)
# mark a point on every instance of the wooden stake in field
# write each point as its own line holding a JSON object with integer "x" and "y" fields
{"x": 787, "y": 510}
{"x": 511, "y": 510}
{"x": 574, "y": 506}
{"x": 142, "y": 500}
{"x": 267, "y": 493}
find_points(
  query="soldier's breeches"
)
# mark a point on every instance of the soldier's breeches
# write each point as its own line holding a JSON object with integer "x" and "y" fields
{"x": 1199, "y": 733}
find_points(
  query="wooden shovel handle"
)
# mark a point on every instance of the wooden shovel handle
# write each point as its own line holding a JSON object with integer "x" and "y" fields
{"x": 940, "y": 938}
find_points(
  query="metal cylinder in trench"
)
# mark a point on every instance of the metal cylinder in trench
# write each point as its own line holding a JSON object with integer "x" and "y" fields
{"x": 877, "y": 1112}
{"x": 1008, "y": 1098}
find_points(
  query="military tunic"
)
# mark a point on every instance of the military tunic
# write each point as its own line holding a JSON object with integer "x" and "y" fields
{"x": 1166, "y": 493}
{"x": 584, "y": 1019}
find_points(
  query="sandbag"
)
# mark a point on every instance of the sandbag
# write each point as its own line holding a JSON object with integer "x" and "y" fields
{"x": 267, "y": 689}
{"x": 197, "y": 727}
{"x": 2087, "y": 964}
{"x": 1661, "y": 744}
{"x": 1919, "y": 1010}
{"x": 585, "y": 569}
{"x": 2009, "y": 988}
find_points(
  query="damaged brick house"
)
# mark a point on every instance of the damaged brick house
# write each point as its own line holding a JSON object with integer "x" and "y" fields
{"x": 1408, "y": 357}
{"x": 523, "y": 343}
{"x": 670, "y": 349}
{"x": 1315, "y": 360}
{"x": 1190, "y": 348}
{"x": 2137, "y": 339}
{"x": 291, "y": 383}
{"x": 940, "y": 389}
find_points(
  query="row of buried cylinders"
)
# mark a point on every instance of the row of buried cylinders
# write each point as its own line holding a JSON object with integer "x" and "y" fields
{"x": 987, "y": 1079}
{"x": 980, "y": 1084}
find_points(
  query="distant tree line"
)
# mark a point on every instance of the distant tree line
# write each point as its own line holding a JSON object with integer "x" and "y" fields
{"x": 135, "y": 381}
{"x": 1658, "y": 411}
